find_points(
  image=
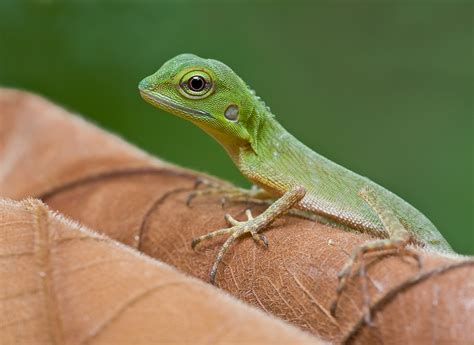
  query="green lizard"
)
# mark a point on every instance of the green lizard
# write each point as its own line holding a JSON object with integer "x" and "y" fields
{"x": 209, "y": 94}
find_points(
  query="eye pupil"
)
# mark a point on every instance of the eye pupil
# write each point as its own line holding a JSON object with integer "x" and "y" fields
{"x": 196, "y": 83}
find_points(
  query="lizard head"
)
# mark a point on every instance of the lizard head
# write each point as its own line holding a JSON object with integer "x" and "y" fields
{"x": 207, "y": 93}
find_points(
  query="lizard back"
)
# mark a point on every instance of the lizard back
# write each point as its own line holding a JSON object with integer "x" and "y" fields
{"x": 332, "y": 191}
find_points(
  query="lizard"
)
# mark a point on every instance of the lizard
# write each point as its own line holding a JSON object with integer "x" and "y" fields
{"x": 212, "y": 96}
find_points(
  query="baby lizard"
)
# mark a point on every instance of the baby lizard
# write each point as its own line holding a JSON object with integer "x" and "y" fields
{"x": 213, "y": 97}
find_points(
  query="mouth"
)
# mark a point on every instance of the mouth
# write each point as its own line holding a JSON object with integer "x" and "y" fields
{"x": 167, "y": 104}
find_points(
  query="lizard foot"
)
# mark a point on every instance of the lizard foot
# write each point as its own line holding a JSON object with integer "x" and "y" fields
{"x": 236, "y": 229}
{"x": 227, "y": 191}
{"x": 377, "y": 248}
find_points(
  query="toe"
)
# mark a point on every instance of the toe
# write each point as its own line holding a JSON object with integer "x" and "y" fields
{"x": 231, "y": 220}
{"x": 248, "y": 213}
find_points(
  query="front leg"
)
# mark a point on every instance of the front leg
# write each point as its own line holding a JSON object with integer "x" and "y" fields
{"x": 251, "y": 225}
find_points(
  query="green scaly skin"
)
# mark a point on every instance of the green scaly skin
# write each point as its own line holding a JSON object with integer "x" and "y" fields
{"x": 222, "y": 104}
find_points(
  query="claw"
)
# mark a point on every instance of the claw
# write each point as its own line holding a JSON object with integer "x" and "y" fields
{"x": 333, "y": 308}
{"x": 194, "y": 243}
{"x": 190, "y": 198}
{"x": 264, "y": 240}
{"x": 199, "y": 181}
{"x": 212, "y": 274}
{"x": 259, "y": 238}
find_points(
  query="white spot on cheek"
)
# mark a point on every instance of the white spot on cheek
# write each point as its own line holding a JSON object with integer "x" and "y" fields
{"x": 275, "y": 154}
{"x": 232, "y": 112}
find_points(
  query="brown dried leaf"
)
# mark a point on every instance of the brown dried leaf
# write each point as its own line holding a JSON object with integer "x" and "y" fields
{"x": 65, "y": 284}
{"x": 108, "y": 185}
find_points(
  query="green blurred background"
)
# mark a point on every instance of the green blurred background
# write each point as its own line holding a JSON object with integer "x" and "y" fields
{"x": 384, "y": 88}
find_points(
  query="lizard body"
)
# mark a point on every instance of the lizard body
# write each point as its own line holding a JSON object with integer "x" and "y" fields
{"x": 332, "y": 191}
{"x": 209, "y": 94}
{"x": 269, "y": 156}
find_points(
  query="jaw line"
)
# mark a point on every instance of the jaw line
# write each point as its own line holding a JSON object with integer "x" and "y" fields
{"x": 163, "y": 101}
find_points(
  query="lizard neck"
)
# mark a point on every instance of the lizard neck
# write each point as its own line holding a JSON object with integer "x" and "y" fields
{"x": 273, "y": 143}
{"x": 272, "y": 135}
{"x": 271, "y": 159}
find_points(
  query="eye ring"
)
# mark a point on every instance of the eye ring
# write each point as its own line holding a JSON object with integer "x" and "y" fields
{"x": 196, "y": 84}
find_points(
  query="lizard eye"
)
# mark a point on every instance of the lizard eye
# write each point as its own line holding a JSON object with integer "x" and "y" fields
{"x": 196, "y": 84}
